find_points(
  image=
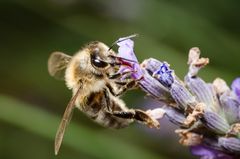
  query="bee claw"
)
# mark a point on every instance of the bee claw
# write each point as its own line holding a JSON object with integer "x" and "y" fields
{"x": 153, "y": 124}
{"x": 146, "y": 119}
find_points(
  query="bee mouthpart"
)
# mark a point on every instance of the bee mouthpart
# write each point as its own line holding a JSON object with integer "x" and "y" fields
{"x": 121, "y": 58}
{"x": 121, "y": 61}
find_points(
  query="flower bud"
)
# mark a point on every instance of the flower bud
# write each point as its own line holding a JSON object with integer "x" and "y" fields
{"x": 182, "y": 96}
{"x": 151, "y": 86}
{"x": 215, "y": 122}
{"x": 151, "y": 65}
{"x": 174, "y": 115}
{"x": 231, "y": 144}
{"x": 203, "y": 92}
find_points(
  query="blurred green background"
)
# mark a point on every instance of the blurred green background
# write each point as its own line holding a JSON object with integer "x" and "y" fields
{"x": 32, "y": 103}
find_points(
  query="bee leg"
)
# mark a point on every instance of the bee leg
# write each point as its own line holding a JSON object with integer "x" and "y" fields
{"x": 139, "y": 116}
{"x": 122, "y": 82}
{"x": 126, "y": 85}
{"x": 115, "y": 76}
{"x": 118, "y": 75}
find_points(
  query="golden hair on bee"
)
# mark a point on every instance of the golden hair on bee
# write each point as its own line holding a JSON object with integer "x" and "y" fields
{"x": 81, "y": 64}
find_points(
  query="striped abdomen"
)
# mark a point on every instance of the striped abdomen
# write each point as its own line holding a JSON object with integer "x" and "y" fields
{"x": 98, "y": 106}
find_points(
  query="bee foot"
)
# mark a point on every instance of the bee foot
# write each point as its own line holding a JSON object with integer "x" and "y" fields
{"x": 145, "y": 118}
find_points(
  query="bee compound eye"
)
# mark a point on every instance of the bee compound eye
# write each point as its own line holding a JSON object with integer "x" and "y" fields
{"x": 97, "y": 62}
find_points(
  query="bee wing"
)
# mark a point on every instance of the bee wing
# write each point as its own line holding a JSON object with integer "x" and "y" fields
{"x": 57, "y": 64}
{"x": 64, "y": 122}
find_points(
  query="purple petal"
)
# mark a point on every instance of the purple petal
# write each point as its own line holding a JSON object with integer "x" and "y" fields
{"x": 231, "y": 107}
{"x": 125, "y": 49}
{"x": 138, "y": 73}
{"x": 236, "y": 87}
{"x": 208, "y": 153}
{"x": 164, "y": 75}
{"x": 135, "y": 68}
{"x": 202, "y": 151}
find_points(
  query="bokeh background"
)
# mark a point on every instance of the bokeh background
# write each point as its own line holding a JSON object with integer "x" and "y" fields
{"x": 32, "y": 103}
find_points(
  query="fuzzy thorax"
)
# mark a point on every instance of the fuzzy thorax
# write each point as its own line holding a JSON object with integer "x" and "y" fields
{"x": 79, "y": 71}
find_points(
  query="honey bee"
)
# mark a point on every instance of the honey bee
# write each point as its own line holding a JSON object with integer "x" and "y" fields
{"x": 92, "y": 76}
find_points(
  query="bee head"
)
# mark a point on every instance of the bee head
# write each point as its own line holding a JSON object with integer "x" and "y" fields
{"x": 100, "y": 58}
{"x": 94, "y": 60}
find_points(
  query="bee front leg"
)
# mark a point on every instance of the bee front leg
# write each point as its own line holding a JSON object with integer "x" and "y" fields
{"x": 125, "y": 85}
{"x": 130, "y": 84}
{"x": 139, "y": 116}
{"x": 118, "y": 75}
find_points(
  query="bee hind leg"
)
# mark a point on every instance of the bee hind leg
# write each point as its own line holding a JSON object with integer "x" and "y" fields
{"x": 138, "y": 115}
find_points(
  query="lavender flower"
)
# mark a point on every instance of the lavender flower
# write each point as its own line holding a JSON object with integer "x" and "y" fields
{"x": 228, "y": 100}
{"x": 125, "y": 51}
{"x": 146, "y": 81}
{"x": 208, "y": 114}
{"x": 236, "y": 87}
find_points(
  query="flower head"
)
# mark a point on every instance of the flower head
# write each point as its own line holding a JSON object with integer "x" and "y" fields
{"x": 130, "y": 64}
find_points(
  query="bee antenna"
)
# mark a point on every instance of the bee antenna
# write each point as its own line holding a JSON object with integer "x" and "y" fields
{"x": 123, "y": 39}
